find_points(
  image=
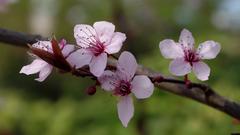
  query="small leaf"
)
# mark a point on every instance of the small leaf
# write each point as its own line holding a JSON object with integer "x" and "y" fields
{"x": 56, "y": 48}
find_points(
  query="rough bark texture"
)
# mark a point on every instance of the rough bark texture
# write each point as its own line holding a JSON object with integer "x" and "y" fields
{"x": 195, "y": 91}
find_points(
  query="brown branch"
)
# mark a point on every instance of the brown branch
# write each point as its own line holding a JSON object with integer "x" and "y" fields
{"x": 196, "y": 91}
{"x": 18, "y": 38}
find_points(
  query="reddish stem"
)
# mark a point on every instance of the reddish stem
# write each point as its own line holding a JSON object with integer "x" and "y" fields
{"x": 187, "y": 81}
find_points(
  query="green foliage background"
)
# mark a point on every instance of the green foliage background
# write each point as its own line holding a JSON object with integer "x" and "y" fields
{"x": 59, "y": 105}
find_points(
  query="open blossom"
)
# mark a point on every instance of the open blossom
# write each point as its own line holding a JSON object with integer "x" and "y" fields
{"x": 39, "y": 65}
{"x": 123, "y": 82}
{"x": 96, "y": 43}
{"x": 186, "y": 58}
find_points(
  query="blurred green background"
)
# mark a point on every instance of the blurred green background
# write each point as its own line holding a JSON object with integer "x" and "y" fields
{"x": 60, "y": 106}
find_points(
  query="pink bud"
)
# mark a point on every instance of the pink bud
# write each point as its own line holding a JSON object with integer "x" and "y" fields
{"x": 91, "y": 90}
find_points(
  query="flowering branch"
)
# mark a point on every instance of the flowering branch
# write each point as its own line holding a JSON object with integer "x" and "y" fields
{"x": 195, "y": 91}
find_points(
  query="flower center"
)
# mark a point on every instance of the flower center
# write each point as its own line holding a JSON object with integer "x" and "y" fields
{"x": 97, "y": 49}
{"x": 191, "y": 56}
{"x": 123, "y": 89}
{"x": 91, "y": 41}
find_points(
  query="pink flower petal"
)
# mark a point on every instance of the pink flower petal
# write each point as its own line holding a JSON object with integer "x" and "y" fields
{"x": 180, "y": 67}
{"x": 142, "y": 87}
{"x": 170, "y": 49}
{"x": 44, "y": 45}
{"x": 98, "y": 64}
{"x": 127, "y": 66}
{"x": 186, "y": 39}
{"x": 125, "y": 109}
{"x": 201, "y": 70}
{"x": 208, "y": 49}
{"x": 104, "y": 31}
{"x": 67, "y": 49}
{"x": 80, "y": 58}
{"x": 44, "y": 73}
{"x": 34, "y": 67}
{"x": 108, "y": 80}
{"x": 84, "y": 34}
{"x": 116, "y": 43}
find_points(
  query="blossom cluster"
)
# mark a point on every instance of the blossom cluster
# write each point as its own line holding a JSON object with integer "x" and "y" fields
{"x": 96, "y": 43}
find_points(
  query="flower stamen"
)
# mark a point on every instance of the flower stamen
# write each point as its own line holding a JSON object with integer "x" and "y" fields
{"x": 123, "y": 89}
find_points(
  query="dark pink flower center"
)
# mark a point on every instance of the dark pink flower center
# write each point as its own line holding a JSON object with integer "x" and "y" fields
{"x": 97, "y": 49}
{"x": 191, "y": 56}
{"x": 123, "y": 89}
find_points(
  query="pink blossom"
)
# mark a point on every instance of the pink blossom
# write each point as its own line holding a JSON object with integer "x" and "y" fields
{"x": 96, "y": 43}
{"x": 39, "y": 65}
{"x": 186, "y": 58}
{"x": 123, "y": 82}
